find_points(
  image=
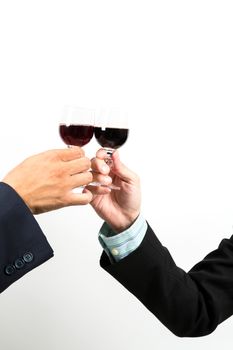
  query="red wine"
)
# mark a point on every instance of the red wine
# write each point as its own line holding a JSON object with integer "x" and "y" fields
{"x": 76, "y": 135}
{"x": 111, "y": 137}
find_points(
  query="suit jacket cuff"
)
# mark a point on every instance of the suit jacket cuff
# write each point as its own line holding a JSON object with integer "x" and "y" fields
{"x": 23, "y": 245}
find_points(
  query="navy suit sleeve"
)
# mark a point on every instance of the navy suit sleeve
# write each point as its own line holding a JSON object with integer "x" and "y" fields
{"x": 23, "y": 245}
{"x": 189, "y": 304}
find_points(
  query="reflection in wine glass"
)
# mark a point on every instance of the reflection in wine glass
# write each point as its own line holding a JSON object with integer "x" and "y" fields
{"x": 111, "y": 130}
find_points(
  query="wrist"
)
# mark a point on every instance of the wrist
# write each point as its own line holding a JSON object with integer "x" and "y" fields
{"x": 123, "y": 223}
{"x": 118, "y": 246}
{"x": 20, "y": 193}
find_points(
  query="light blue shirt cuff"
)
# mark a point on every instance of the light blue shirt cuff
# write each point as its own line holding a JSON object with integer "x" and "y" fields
{"x": 118, "y": 246}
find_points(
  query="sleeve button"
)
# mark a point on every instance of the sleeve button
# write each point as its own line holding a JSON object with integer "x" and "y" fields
{"x": 115, "y": 252}
{"x": 19, "y": 263}
{"x": 28, "y": 257}
{"x": 9, "y": 270}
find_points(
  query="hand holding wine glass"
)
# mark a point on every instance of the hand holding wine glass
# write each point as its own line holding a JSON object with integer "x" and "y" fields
{"x": 76, "y": 129}
{"x": 118, "y": 208}
{"x": 110, "y": 128}
{"x": 111, "y": 131}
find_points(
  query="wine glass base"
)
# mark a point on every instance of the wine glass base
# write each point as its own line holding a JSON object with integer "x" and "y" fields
{"x": 112, "y": 186}
{"x": 79, "y": 190}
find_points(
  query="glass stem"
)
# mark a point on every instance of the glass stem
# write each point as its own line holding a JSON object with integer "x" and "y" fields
{"x": 108, "y": 159}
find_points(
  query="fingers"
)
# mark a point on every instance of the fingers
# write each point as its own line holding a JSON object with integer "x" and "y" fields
{"x": 77, "y": 165}
{"x": 119, "y": 169}
{"x": 105, "y": 180}
{"x": 98, "y": 164}
{"x": 98, "y": 190}
{"x": 79, "y": 198}
{"x": 100, "y": 171}
{"x": 81, "y": 179}
{"x": 102, "y": 182}
{"x": 101, "y": 154}
{"x": 68, "y": 154}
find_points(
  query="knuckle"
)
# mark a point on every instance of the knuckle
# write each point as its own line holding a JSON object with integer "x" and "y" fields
{"x": 78, "y": 151}
{"x": 58, "y": 173}
{"x": 89, "y": 176}
{"x": 65, "y": 200}
{"x": 93, "y": 162}
{"x": 54, "y": 154}
{"x": 86, "y": 163}
{"x": 86, "y": 200}
{"x": 81, "y": 152}
{"x": 99, "y": 163}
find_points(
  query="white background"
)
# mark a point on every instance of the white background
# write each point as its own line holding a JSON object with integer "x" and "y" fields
{"x": 169, "y": 63}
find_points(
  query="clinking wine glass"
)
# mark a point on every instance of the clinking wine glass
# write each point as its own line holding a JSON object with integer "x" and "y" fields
{"x": 77, "y": 128}
{"x": 111, "y": 130}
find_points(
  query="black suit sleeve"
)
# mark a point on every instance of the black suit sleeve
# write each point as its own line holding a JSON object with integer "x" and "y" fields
{"x": 189, "y": 304}
{"x": 23, "y": 245}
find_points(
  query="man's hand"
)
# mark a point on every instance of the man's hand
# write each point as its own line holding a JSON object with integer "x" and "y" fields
{"x": 119, "y": 208}
{"x": 45, "y": 181}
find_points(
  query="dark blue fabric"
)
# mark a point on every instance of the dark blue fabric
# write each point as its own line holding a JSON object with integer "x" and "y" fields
{"x": 19, "y": 234}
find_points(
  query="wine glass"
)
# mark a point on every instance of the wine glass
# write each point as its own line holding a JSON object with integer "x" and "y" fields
{"x": 76, "y": 126}
{"x": 111, "y": 130}
{"x": 76, "y": 129}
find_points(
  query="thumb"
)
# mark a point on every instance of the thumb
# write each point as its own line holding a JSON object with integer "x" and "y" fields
{"x": 121, "y": 170}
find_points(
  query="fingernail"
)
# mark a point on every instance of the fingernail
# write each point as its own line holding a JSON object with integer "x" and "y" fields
{"x": 107, "y": 179}
{"x": 104, "y": 168}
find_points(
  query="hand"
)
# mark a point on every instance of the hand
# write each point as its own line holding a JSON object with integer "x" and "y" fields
{"x": 45, "y": 181}
{"x": 119, "y": 208}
